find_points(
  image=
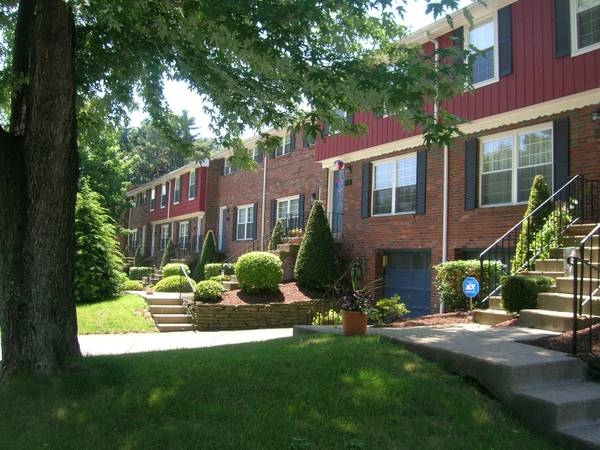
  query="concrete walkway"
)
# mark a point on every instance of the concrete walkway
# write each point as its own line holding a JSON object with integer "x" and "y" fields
{"x": 545, "y": 388}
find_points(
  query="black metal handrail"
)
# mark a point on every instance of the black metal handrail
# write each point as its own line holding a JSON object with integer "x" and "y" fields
{"x": 576, "y": 201}
{"x": 250, "y": 247}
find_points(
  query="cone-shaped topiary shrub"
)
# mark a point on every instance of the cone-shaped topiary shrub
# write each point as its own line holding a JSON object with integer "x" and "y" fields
{"x": 276, "y": 236}
{"x": 316, "y": 265}
{"x": 258, "y": 271}
{"x": 174, "y": 283}
{"x": 207, "y": 255}
{"x": 137, "y": 257}
{"x": 168, "y": 254}
{"x": 525, "y": 243}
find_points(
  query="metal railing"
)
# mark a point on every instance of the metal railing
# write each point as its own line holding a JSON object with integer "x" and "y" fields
{"x": 253, "y": 246}
{"x": 586, "y": 285}
{"x": 293, "y": 224}
{"x": 577, "y": 201}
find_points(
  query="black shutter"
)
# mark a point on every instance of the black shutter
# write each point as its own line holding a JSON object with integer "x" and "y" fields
{"x": 471, "y": 173}
{"x": 301, "y": 211}
{"x": 561, "y": 152}
{"x": 365, "y": 191}
{"x": 255, "y": 215}
{"x": 350, "y": 118}
{"x": 421, "y": 180}
{"x": 221, "y": 163}
{"x": 562, "y": 28}
{"x": 458, "y": 41}
{"x": 292, "y": 139}
{"x": 273, "y": 213}
{"x": 234, "y": 225}
{"x": 505, "y": 40}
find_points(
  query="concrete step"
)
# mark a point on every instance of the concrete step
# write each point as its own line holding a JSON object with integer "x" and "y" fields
{"x": 586, "y": 436}
{"x": 545, "y": 319}
{"x": 491, "y": 316}
{"x": 495, "y": 302}
{"x": 172, "y": 318}
{"x": 550, "y": 265}
{"x": 158, "y": 300}
{"x": 543, "y": 273}
{"x": 575, "y": 240}
{"x": 231, "y": 285}
{"x": 168, "y": 309}
{"x": 564, "y": 285}
{"x": 288, "y": 248}
{"x": 580, "y": 229}
{"x": 563, "y": 252}
{"x": 167, "y": 327}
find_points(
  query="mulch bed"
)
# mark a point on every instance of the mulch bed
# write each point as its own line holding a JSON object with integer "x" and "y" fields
{"x": 287, "y": 293}
{"x": 564, "y": 342}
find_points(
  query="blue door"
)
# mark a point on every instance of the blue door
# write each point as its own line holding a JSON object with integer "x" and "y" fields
{"x": 408, "y": 274}
{"x": 337, "y": 211}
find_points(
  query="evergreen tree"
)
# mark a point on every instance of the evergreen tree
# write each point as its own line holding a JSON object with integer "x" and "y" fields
{"x": 276, "y": 236}
{"x": 525, "y": 243}
{"x": 316, "y": 265}
{"x": 98, "y": 262}
{"x": 207, "y": 255}
{"x": 169, "y": 253}
{"x": 137, "y": 257}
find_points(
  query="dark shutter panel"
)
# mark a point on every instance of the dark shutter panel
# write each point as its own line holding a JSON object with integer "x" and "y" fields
{"x": 234, "y": 225}
{"x": 365, "y": 210}
{"x": 292, "y": 139}
{"x": 301, "y": 211}
{"x": 562, "y": 28}
{"x": 421, "y": 181}
{"x": 304, "y": 138}
{"x": 221, "y": 163}
{"x": 255, "y": 220}
{"x": 260, "y": 155}
{"x": 505, "y": 40}
{"x": 458, "y": 41}
{"x": 273, "y": 213}
{"x": 561, "y": 152}
{"x": 471, "y": 174}
{"x": 350, "y": 118}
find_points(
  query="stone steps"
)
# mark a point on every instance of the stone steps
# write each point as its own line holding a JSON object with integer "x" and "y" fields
{"x": 546, "y": 319}
{"x": 491, "y": 316}
{"x": 168, "y": 312}
{"x": 170, "y": 327}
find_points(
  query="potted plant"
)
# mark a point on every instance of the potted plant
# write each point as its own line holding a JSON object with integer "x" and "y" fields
{"x": 356, "y": 305}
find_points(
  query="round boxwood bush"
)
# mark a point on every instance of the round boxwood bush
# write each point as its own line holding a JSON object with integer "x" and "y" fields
{"x": 174, "y": 283}
{"x": 132, "y": 285}
{"x": 208, "y": 291}
{"x": 258, "y": 271}
{"x": 173, "y": 269}
{"x": 520, "y": 292}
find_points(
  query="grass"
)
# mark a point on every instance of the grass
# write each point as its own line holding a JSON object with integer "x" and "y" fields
{"x": 300, "y": 393}
{"x": 124, "y": 314}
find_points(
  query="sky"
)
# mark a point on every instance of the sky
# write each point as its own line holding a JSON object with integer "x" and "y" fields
{"x": 180, "y": 98}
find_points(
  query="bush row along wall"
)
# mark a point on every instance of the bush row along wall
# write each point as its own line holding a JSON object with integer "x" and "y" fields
{"x": 247, "y": 317}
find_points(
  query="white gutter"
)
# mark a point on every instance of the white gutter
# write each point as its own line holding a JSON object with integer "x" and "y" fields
{"x": 264, "y": 202}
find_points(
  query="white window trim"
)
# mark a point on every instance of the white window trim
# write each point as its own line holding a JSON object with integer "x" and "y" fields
{"x": 239, "y": 208}
{"x": 177, "y": 189}
{"x": 412, "y": 155}
{"x": 573, "y": 18}
{"x": 164, "y": 226}
{"x": 227, "y": 169}
{"x": 163, "y": 188}
{"x": 187, "y": 234}
{"x": 514, "y": 169}
{"x": 192, "y": 192}
{"x": 153, "y": 198}
{"x": 286, "y": 140}
{"x": 466, "y": 31}
{"x": 288, "y": 199}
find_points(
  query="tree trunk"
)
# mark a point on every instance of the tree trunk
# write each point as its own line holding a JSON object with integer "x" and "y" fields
{"x": 38, "y": 186}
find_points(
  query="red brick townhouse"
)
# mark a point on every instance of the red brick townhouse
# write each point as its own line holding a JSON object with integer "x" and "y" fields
{"x": 170, "y": 207}
{"x": 243, "y": 206}
{"x": 535, "y": 109}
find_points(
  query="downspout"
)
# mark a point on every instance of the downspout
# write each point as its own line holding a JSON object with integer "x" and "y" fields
{"x": 436, "y": 118}
{"x": 264, "y": 203}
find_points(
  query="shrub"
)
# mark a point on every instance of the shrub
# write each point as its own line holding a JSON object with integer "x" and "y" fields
{"x": 549, "y": 236}
{"x": 174, "y": 283}
{"x": 132, "y": 285}
{"x": 316, "y": 266}
{"x": 450, "y": 276}
{"x": 212, "y": 270}
{"x": 258, "y": 271}
{"x": 207, "y": 255}
{"x": 137, "y": 257}
{"x": 168, "y": 254}
{"x": 276, "y": 236}
{"x": 208, "y": 291}
{"x": 137, "y": 273}
{"x": 174, "y": 269}
{"x": 229, "y": 268}
{"x": 520, "y": 292}
{"x": 331, "y": 317}
{"x": 220, "y": 278}
{"x": 388, "y": 310}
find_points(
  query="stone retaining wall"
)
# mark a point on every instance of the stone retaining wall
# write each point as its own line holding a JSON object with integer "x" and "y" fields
{"x": 246, "y": 317}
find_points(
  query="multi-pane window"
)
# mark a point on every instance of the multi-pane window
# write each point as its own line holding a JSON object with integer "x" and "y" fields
{"x": 509, "y": 163}
{"x": 286, "y": 145}
{"x": 395, "y": 186}
{"x": 227, "y": 169}
{"x": 177, "y": 190}
{"x": 184, "y": 234}
{"x": 586, "y": 23}
{"x": 288, "y": 211}
{"x": 482, "y": 37}
{"x": 164, "y": 235}
{"x": 192, "y": 185}
{"x": 134, "y": 240}
{"x": 256, "y": 154}
{"x": 245, "y": 222}
{"x": 152, "y": 199}
{"x": 163, "y": 195}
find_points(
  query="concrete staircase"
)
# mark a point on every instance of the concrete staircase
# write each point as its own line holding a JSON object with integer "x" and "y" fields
{"x": 168, "y": 312}
{"x": 232, "y": 284}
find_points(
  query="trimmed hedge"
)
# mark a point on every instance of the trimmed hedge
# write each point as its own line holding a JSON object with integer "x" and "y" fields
{"x": 173, "y": 283}
{"x": 212, "y": 270}
{"x": 169, "y": 253}
{"x": 258, "y": 271}
{"x": 207, "y": 255}
{"x": 137, "y": 273}
{"x": 520, "y": 291}
{"x": 276, "y": 236}
{"x": 132, "y": 285}
{"x": 208, "y": 291}
{"x": 173, "y": 269}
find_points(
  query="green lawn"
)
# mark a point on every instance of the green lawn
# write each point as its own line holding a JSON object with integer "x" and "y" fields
{"x": 124, "y": 314}
{"x": 300, "y": 393}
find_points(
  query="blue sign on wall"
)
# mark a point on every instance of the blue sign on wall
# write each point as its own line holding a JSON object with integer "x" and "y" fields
{"x": 470, "y": 287}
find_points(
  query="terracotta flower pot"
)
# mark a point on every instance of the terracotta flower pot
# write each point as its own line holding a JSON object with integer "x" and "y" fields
{"x": 354, "y": 323}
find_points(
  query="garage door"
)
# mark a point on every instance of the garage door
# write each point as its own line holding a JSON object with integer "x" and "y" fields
{"x": 408, "y": 274}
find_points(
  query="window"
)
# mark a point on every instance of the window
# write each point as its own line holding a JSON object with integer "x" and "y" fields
{"x": 256, "y": 155}
{"x": 184, "y": 234}
{"x": 227, "y": 169}
{"x": 482, "y": 37}
{"x": 177, "y": 190}
{"x": 152, "y": 199}
{"x": 143, "y": 197}
{"x": 164, "y": 235}
{"x": 288, "y": 211}
{"x": 585, "y": 23}
{"x": 308, "y": 139}
{"x": 192, "y": 185}
{"x": 287, "y": 144}
{"x": 509, "y": 163}
{"x": 395, "y": 186}
{"x": 134, "y": 240}
{"x": 163, "y": 195}
{"x": 245, "y": 222}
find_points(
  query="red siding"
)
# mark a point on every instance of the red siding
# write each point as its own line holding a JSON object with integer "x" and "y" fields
{"x": 186, "y": 206}
{"x": 537, "y": 77}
